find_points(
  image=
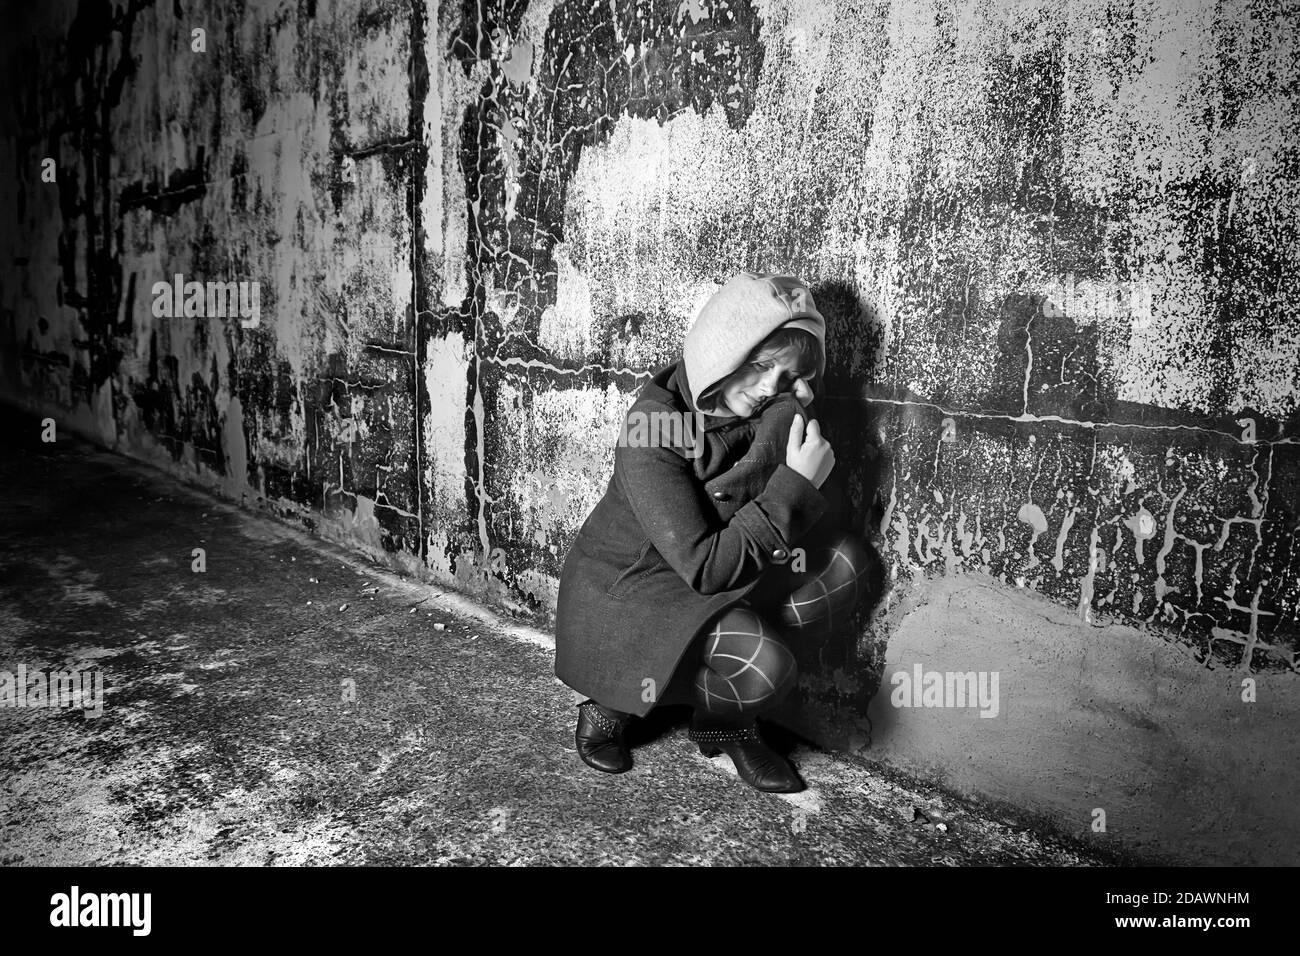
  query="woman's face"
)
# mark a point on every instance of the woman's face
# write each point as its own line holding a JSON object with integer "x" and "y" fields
{"x": 769, "y": 373}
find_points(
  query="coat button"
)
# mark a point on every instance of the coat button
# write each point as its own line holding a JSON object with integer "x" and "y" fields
{"x": 780, "y": 554}
{"x": 721, "y": 496}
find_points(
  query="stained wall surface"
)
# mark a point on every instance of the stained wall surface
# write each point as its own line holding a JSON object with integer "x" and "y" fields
{"x": 1056, "y": 245}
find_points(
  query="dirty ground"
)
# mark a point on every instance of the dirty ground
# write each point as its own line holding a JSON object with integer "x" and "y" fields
{"x": 295, "y": 704}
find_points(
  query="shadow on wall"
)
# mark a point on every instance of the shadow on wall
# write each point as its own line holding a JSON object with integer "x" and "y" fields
{"x": 837, "y": 678}
{"x": 1036, "y": 336}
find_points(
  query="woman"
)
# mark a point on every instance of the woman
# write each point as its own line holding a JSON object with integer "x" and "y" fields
{"x": 715, "y": 539}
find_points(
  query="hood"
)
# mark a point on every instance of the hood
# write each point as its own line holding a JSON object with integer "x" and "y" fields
{"x": 739, "y": 316}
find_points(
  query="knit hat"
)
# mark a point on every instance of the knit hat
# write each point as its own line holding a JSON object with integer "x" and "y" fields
{"x": 737, "y": 318}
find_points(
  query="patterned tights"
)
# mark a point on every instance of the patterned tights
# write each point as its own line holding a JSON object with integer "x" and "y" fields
{"x": 745, "y": 665}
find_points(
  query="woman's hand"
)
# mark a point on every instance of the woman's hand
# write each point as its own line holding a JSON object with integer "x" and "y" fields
{"x": 803, "y": 391}
{"x": 811, "y": 455}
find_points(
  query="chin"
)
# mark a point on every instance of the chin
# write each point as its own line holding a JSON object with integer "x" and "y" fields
{"x": 738, "y": 406}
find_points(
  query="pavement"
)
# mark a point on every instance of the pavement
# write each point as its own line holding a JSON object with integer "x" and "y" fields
{"x": 295, "y": 704}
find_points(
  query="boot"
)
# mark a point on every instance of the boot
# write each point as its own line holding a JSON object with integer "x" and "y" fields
{"x": 600, "y": 737}
{"x": 758, "y": 764}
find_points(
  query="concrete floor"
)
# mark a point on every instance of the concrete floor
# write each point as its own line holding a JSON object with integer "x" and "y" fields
{"x": 225, "y": 737}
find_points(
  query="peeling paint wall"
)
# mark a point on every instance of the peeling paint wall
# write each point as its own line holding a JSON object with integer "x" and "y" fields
{"x": 286, "y": 152}
{"x": 1057, "y": 249}
{"x": 1056, "y": 246}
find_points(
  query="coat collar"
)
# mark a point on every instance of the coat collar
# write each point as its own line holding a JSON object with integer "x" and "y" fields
{"x": 669, "y": 385}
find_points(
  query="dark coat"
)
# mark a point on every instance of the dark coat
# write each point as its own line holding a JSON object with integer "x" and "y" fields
{"x": 682, "y": 533}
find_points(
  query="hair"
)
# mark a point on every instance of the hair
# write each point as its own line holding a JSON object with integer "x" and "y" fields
{"x": 808, "y": 351}
{"x": 807, "y": 358}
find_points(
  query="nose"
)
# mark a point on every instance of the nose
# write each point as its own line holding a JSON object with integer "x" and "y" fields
{"x": 767, "y": 385}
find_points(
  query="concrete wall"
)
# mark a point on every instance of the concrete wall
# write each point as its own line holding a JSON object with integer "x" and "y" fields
{"x": 1056, "y": 245}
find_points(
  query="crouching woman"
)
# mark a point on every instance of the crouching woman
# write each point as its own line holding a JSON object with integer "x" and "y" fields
{"x": 679, "y": 587}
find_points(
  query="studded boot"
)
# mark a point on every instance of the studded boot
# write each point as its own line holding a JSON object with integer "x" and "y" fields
{"x": 599, "y": 737}
{"x": 758, "y": 764}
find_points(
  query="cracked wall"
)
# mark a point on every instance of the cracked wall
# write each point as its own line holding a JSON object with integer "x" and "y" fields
{"x": 1056, "y": 249}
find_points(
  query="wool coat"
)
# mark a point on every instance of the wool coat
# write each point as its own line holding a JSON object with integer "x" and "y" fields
{"x": 688, "y": 526}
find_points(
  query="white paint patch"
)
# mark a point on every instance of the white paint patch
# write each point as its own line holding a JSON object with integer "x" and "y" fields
{"x": 446, "y": 379}
{"x": 562, "y": 453}
{"x": 535, "y": 20}
{"x": 457, "y": 91}
{"x": 694, "y": 9}
{"x": 545, "y": 588}
{"x": 634, "y": 212}
{"x": 566, "y": 326}
{"x": 1033, "y": 516}
{"x": 518, "y": 66}
{"x": 431, "y": 202}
